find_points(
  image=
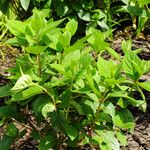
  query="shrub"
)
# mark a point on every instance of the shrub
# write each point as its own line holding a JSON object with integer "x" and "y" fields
{"x": 75, "y": 98}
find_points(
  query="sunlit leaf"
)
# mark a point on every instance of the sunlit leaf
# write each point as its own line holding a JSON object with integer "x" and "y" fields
{"x": 23, "y": 82}
{"x": 123, "y": 119}
{"x": 72, "y": 26}
{"x": 35, "y": 49}
{"x": 145, "y": 85}
{"x": 47, "y": 108}
{"x": 27, "y": 93}
{"x": 122, "y": 138}
{"x": 25, "y": 4}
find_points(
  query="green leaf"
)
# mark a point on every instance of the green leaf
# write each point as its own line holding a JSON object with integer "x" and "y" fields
{"x": 113, "y": 53}
{"x": 71, "y": 58}
{"x": 16, "y": 27}
{"x": 85, "y": 61}
{"x": 72, "y": 26}
{"x": 78, "y": 107}
{"x": 47, "y": 108}
{"x": 27, "y": 93}
{"x": 11, "y": 130}
{"x": 89, "y": 107}
{"x": 121, "y": 94}
{"x": 103, "y": 117}
{"x": 123, "y": 119}
{"x": 6, "y": 142}
{"x": 122, "y": 103}
{"x": 47, "y": 142}
{"x": 122, "y": 138}
{"x": 60, "y": 68}
{"x": 108, "y": 137}
{"x": 5, "y": 91}
{"x": 146, "y": 66}
{"x": 13, "y": 41}
{"x": 23, "y": 82}
{"x": 107, "y": 68}
{"x": 144, "y": 2}
{"x": 145, "y": 85}
{"x": 97, "y": 39}
{"x": 72, "y": 132}
{"x": 92, "y": 84}
{"x": 84, "y": 16}
{"x": 133, "y": 65}
{"x": 37, "y": 23}
{"x": 38, "y": 104}
{"x": 109, "y": 108}
{"x": 36, "y": 49}
{"x": 65, "y": 98}
{"x": 25, "y": 4}
{"x": 138, "y": 11}
{"x": 65, "y": 39}
{"x": 78, "y": 45}
{"x": 8, "y": 111}
{"x": 50, "y": 25}
{"x": 58, "y": 121}
{"x": 126, "y": 45}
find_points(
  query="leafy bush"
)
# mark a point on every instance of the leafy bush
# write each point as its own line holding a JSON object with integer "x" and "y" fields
{"x": 76, "y": 98}
{"x": 101, "y": 14}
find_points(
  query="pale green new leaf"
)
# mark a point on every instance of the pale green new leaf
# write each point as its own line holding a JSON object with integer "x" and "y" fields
{"x": 92, "y": 84}
{"x": 35, "y": 49}
{"x": 145, "y": 85}
{"x": 50, "y": 25}
{"x": 16, "y": 27}
{"x": 126, "y": 45}
{"x": 108, "y": 137}
{"x": 78, "y": 45}
{"x": 106, "y": 68}
{"x": 23, "y": 82}
{"x": 146, "y": 66}
{"x": 109, "y": 108}
{"x": 113, "y": 53}
{"x": 73, "y": 56}
{"x": 121, "y": 137}
{"x": 72, "y": 26}
{"x": 60, "y": 68}
{"x": 48, "y": 108}
{"x": 133, "y": 65}
{"x": 27, "y": 93}
{"x": 144, "y": 2}
{"x": 25, "y": 4}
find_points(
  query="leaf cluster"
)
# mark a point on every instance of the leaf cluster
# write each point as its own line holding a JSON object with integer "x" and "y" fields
{"x": 75, "y": 97}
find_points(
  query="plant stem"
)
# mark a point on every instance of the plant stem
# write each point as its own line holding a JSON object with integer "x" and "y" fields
{"x": 45, "y": 90}
{"x": 39, "y": 65}
{"x": 67, "y": 111}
